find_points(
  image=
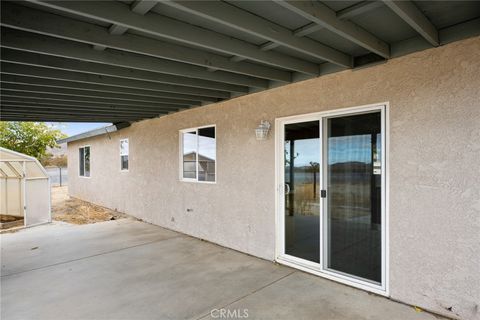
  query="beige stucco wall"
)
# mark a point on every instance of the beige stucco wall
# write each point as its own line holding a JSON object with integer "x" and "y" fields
{"x": 434, "y": 152}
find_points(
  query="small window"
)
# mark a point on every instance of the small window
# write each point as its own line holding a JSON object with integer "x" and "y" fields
{"x": 84, "y": 161}
{"x": 124, "y": 154}
{"x": 198, "y": 154}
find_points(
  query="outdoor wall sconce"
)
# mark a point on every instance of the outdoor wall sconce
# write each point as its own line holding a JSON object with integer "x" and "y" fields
{"x": 261, "y": 132}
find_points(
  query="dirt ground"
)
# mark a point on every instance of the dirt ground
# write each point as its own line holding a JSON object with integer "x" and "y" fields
{"x": 8, "y": 222}
{"x": 9, "y": 218}
{"x": 72, "y": 210}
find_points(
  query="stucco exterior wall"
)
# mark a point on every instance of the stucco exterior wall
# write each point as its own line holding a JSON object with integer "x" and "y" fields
{"x": 434, "y": 154}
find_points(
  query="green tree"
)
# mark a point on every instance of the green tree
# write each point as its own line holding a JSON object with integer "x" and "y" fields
{"x": 31, "y": 138}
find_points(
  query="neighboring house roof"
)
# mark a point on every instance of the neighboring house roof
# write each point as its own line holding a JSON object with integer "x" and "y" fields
{"x": 201, "y": 156}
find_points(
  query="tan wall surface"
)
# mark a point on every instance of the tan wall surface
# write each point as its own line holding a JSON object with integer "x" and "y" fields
{"x": 434, "y": 153}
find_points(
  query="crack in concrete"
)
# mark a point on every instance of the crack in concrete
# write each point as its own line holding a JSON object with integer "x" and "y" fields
{"x": 91, "y": 256}
{"x": 248, "y": 294}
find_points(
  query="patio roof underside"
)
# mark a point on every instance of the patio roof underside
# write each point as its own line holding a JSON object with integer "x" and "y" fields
{"x": 123, "y": 61}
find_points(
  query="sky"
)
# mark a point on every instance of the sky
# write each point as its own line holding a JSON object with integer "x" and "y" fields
{"x": 206, "y": 145}
{"x": 73, "y": 128}
{"x": 340, "y": 149}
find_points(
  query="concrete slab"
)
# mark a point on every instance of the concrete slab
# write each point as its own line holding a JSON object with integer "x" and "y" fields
{"x": 50, "y": 244}
{"x": 303, "y": 296}
{"x": 131, "y": 270}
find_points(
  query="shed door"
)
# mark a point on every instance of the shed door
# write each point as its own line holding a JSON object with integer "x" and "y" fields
{"x": 37, "y": 201}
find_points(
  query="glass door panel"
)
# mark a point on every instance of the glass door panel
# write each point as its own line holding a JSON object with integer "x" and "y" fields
{"x": 353, "y": 204}
{"x": 302, "y": 190}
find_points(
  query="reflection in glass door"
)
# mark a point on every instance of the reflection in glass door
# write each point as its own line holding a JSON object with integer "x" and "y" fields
{"x": 353, "y": 176}
{"x": 332, "y": 215}
{"x": 302, "y": 189}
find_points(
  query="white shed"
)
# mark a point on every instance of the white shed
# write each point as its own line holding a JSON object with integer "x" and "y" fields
{"x": 24, "y": 188}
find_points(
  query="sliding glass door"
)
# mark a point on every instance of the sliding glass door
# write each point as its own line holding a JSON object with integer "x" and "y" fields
{"x": 353, "y": 204}
{"x": 332, "y": 179}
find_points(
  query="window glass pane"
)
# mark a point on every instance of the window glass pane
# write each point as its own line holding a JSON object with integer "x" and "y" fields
{"x": 124, "y": 154}
{"x": 189, "y": 154}
{"x": 124, "y": 162}
{"x": 81, "y": 161}
{"x": 124, "y": 147}
{"x": 87, "y": 161}
{"x": 354, "y": 195}
{"x": 302, "y": 190}
{"x": 206, "y": 154}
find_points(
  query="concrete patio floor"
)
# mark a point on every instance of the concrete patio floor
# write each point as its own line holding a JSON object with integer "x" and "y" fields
{"x": 126, "y": 269}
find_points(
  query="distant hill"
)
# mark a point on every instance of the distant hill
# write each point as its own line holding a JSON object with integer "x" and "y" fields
{"x": 353, "y": 166}
{"x": 58, "y": 152}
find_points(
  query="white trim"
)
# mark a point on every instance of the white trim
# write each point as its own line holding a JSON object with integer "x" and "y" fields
{"x": 89, "y": 172}
{"x": 279, "y": 188}
{"x": 195, "y": 181}
{"x": 49, "y": 200}
{"x": 333, "y": 112}
{"x": 196, "y": 128}
{"x": 37, "y": 178}
{"x": 323, "y": 201}
{"x": 330, "y": 275}
{"x": 16, "y": 160}
{"x": 23, "y": 189}
{"x": 320, "y": 268}
{"x": 386, "y": 194}
{"x": 180, "y": 162}
{"x": 6, "y": 195}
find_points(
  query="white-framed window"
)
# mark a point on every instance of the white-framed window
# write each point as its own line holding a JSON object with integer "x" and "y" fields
{"x": 124, "y": 154}
{"x": 198, "y": 154}
{"x": 84, "y": 161}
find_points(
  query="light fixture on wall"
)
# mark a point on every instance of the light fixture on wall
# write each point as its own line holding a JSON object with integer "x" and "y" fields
{"x": 261, "y": 132}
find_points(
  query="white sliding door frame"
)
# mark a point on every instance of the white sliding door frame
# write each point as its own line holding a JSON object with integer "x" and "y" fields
{"x": 320, "y": 269}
